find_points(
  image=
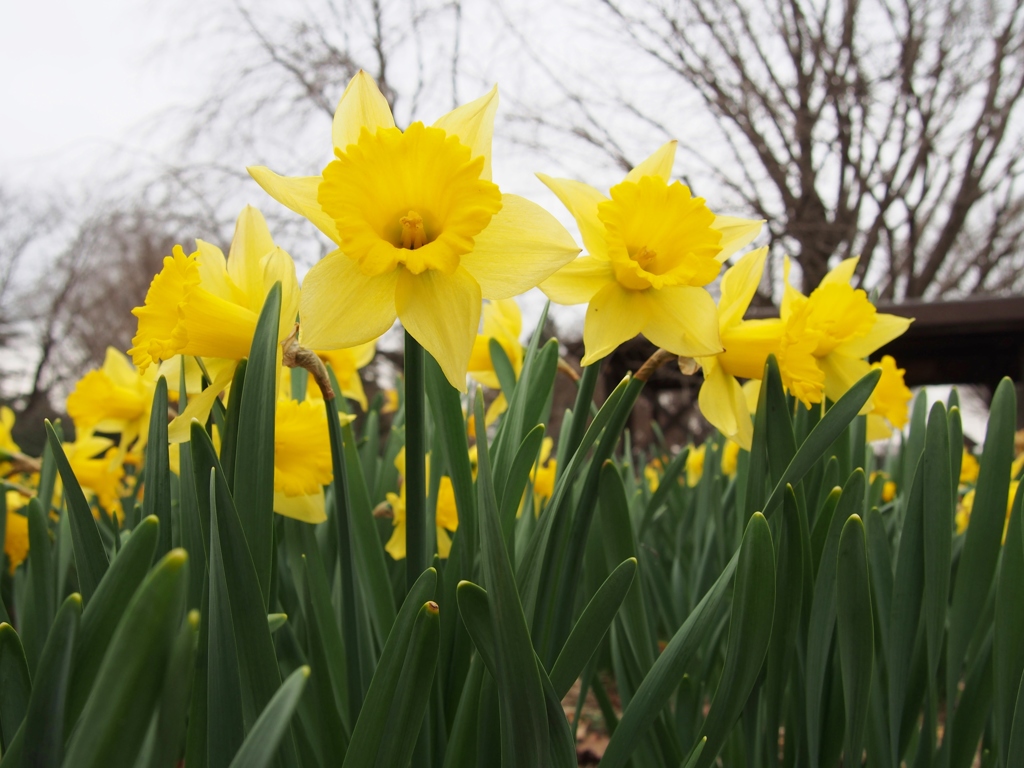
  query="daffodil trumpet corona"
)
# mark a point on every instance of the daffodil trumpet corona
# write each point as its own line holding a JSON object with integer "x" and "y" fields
{"x": 423, "y": 233}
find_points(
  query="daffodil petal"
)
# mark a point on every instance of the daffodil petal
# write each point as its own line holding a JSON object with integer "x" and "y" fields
{"x": 363, "y": 353}
{"x": 615, "y": 315}
{"x": 841, "y": 273}
{"x": 739, "y": 285}
{"x": 885, "y": 329}
{"x": 340, "y": 307}
{"x": 299, "y": 194}
{"x": 473, "y": 123}
{"x": 213, "y": 272}
{"x": 736, "y": 233}
{"x": 120, "y": 369}
{"x": 522, "y": 246}
{"x": 250, "y": 243}
{"x": 442, "y": 312}
{"x": 841, "y": 373}
{"x": 582, "y": 201}
{"x": 362, "y": 105}
{"x": 353, "y": 390}
{"x": 308, "y": 509}
{"x": 578, "y": 281}
{"x": 724, "y": 405}
{"x": 396, "y": 544}
{"x": 198, "y": 408}
{"x": 278, "y": 267}
{"x": 658, "y": 164}
{"x": 684, "y": 320}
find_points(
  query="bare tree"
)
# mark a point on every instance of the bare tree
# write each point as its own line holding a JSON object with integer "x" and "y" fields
{"x": 891, "y": 129}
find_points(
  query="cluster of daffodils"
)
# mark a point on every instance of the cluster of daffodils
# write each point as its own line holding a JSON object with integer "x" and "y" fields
{"x": 425, "y": 236}
{"x": 969, "y": 469}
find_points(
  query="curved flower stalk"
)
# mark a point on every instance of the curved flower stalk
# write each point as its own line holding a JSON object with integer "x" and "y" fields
{"x": 446, "y": 515}
{"x": 203, "y": 305}
{"x": 346, "y": 364}
{"x": 652, "y": 247}
{"x": 422, "y": 232}
{"x": 503, "y": 322}
{"x": 840, "y": 327}
{"x": 114, "y": 399}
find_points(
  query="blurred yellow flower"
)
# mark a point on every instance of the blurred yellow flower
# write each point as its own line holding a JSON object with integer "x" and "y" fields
{"x": 695, "y": 464}
{"x": 390, "y": 401}
{"x": 503, "y": 322}
{"x": 446, "y": 515}
{"x": 969, "y": 468}
{"x": 888, "y": 491}
{"x": 16, "y": 535}
{"x": 843, "y": 328}
{"x": 114, "y": 399}
{"x": 8, "y": 448}
{"x": 346, "y": 364}
{"x": 730, "y": 457}
{"x": 652, "y": 476}
{"x": 963, "y": 513}
{"x": 652, "y": 247}
{"x": 891, "y": 398}
{"x": 97, "y": 465}
{"x": 423, "y": 233}
{"x": 542, "y": 476}
{"x": 302, "y": 459}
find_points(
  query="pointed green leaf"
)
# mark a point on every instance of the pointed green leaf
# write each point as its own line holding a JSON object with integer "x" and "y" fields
{"x": 115, "y": 718}
{"x": 15, "y": 684}
{"x": 259, "y": 747}
{"x": 855, "y": 631}
{"x": 254, "y": 456}
{"x": 90, "y": 557}
{"x": 156, "y": 477}
{"x": 44, "y": 720}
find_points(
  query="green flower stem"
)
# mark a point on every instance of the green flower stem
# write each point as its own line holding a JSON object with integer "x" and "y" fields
{"x": 415, "y": 461}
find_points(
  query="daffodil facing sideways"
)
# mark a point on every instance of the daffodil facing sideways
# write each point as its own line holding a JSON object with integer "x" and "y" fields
{"x": 652, "y": 247}
{"x": 114, "y": 399}
{"x": 723, "y": 401}
{"x": 840, "y": 327}
{"x": 422, "y": 232}
{"x": 502, "y": 322}
{"x": 446, "y": 515}
{"x": 98, "y": 466}
{"x": 203, "y": 305}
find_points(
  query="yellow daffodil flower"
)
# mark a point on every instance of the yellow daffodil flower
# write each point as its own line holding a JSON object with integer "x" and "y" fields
{"x": 114, "y": 399}
{"x": 969, "y": 468}
{"x": 652, "y": 247}
{"x": 723, "y": 401}
{"x": 203, "y": 305}
{"x": 695, "y": 465}
{"x": 8, "y": 448}
{"x": 963, "y": 513}
{"x": 730, "y": 458}
{"x": 446, "y": 515}
{"x": 97, "y": 465}
{"x": 422, "y": 232}
{"x": 542, "y": 476}
{"x": 16, "y": 535}
{"x": 503, "y": 322}
{"x": 652, "y": 477}
{"x": 891, "y": 399}
{"x": 302, "y": 458}
{"x": 888, "y": 491}
{"x": 346, "y": 364}
{"x": 390, "y": 401}
{"x": 843, "y": 327}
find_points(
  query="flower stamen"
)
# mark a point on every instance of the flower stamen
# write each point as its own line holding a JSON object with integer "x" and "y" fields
{"x": 413, "y": 234}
